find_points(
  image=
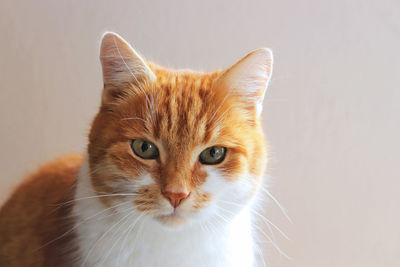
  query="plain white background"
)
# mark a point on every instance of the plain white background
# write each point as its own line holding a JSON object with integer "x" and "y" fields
{"x": 331, "y": 113}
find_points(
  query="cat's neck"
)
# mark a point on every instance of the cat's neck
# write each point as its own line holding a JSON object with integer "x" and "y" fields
{"x": 108, "y": 239}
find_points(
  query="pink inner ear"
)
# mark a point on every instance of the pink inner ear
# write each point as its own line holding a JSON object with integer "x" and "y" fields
{"x": 249, "y": 77}
{"x": 120, "y": 62}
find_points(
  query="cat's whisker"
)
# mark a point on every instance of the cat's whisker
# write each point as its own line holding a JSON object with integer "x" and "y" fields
{"x": 260, "y": 254}
{"x": 97, "y": 196}
{"x": 271, "y": 231}
{"x": 268, "y": 225}
{"x": 222, "y": 217}
{"x": 283, "y": 210}
{"x": 272, "y": 242}
{"x": 105, "y": 233}
{"x": 130, "y": 228}
{"x": 203, "y": 228}
{"x": 138, "y": 232}
{"x": 262, "y": 217}
{"x": 268, "y": 222}
{"x": 81, "y": 222}
{"x": 105, "y": 257}
{"x": 233, "y": 214}
{"x": 210, "y": 227}
{"x": 103, "y": 168}
{"x": 213, "y": 227}
{"x": 206, "y": 228}
{"x": 134, "y": 118}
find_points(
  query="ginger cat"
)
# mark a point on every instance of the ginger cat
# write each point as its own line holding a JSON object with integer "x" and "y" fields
{"x": 174, "y": 161}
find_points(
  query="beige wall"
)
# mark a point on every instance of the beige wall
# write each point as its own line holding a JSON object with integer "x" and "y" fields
{"x": 331, "y": 114}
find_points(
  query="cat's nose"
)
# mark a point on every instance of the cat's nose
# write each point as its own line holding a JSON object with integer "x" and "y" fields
{"x": 175, "y": 198}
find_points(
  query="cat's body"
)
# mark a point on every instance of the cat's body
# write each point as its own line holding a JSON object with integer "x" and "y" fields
{"x": 34, "y": 215}
{"x": 175, "y": 159}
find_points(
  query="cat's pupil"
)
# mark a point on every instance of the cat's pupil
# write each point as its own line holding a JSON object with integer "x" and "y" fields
{"x": 212, "y": 152}
{"x": 145, "y": 146}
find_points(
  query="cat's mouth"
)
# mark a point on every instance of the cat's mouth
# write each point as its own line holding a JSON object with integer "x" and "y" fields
{"x": 172, "y": 219}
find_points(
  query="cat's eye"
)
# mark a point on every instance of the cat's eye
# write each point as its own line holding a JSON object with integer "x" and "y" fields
{"x": 144, "y": 149}
{"x": 213, "y": 155}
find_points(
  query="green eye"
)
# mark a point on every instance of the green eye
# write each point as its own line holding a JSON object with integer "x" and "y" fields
{"x": 213, "y": 155}
{"x": 144, "y": 149}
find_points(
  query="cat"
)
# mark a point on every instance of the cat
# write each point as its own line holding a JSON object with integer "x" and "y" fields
{"x": 174, "y": 162}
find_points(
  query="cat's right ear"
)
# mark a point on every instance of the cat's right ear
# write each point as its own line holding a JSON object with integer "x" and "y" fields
{"x": 248, "y": 79}
{"x": 122, "y": 64}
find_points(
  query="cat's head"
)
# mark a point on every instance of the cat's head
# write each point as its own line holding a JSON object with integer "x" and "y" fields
{"x": 178, "y": 146}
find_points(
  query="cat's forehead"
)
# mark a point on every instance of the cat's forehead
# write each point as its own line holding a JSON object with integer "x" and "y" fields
{"x": 182, "y": 110}
{"x": 167, "y": 79}
{"x": 185, "y": 104}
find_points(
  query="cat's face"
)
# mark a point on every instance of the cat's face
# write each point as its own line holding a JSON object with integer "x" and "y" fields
{"x": 185, "y": 146}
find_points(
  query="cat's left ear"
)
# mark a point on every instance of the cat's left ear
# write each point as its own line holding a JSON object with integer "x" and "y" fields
{"x": 249, "y": 78}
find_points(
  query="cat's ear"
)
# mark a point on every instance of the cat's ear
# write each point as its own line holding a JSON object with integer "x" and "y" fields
{"x": 249, "y": 78}
{"x": 120, "y": 62}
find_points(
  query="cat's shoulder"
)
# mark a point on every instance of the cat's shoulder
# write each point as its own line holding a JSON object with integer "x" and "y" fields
{"x": 52, "y": 177}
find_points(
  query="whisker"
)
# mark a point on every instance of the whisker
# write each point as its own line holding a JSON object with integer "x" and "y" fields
{"x": 283, "y": 210}
{"x": 222, "y": 217}
{"x": 130, "y": 228}
{"x": 262, "y": 217}
{"x": 272, "y": 224}
{"x": 138, "y": 232}
{"x": 81, "y": 222}
{"x": 260, "y": 254}
{"x": 213, "y": 228}
{"x": 271, "y": 242}
{"x": 103, "y": 235}
{"x": 98, "y": 196}
{"x": 105, "y": 257}
{"x": 134, "y": 118}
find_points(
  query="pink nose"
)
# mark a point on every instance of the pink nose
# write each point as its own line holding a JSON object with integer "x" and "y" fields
{"x": 175, "y": 198}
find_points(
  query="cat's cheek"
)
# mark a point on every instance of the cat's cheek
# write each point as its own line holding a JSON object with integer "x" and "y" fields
{"x": 129, "y": 185}
{"x": 221, "y": 185}
{"x": 245, "y": 188}
{"x": 232, "y": 191}
{"x": 215, "y": 182}
{"x": 144, "y": 181}
{"x": 205, "y": 201}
